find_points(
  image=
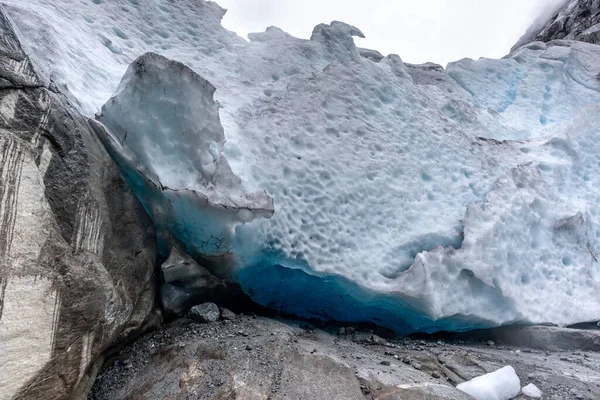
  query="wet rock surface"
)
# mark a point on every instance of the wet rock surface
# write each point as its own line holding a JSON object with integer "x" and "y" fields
{"x": 258, "y": 358}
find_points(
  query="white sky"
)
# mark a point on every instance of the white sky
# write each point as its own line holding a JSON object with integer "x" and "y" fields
{"x": 418, "y": 30}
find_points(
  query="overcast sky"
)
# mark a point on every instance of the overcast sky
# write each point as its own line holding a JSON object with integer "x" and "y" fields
{"x": 417, "y": 30}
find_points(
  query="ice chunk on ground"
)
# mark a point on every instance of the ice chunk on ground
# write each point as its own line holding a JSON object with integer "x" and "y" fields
{"x": 503, "y": 384}
{"x": 532, "y": 391}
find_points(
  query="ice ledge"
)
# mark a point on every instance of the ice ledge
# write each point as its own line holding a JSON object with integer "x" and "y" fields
{"x": 162, "y": 128}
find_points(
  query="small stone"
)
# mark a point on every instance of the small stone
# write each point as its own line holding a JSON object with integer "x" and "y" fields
{"x": 406, "y": 360}
{"x": 377, "y": 340}
{"x": 205, "y": 312}
{"x": 435, "y": 374}
{"x": 598, "y": 324}
{"x": 248, "y": 347}
{"x": 389, "y": 353}
{"x": 341, "y": 331}
{"x": 386, "y": 363}
{"x": 490, "y": 343}
{"x": 227, "y": 315}
{"x": 416, "y": 365}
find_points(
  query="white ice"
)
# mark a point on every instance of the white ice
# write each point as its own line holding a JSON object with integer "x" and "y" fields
{"x": 503, "y": 384}
{"x": 162, "y": 127}
{"x": 471, "y": 191}
{"x": 532, "y": 391}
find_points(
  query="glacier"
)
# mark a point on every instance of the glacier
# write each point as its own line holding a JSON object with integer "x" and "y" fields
{"x": 333, "y": 183}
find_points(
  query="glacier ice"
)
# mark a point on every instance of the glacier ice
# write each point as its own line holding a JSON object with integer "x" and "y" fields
{"x": 163, "y": 129}
{"x": 408, "y": 195}
{"x": 503, "y": 384}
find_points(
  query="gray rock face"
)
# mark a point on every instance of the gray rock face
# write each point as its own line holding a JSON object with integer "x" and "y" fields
{"x": 77, "y": 250}
{"x": 205, "y": 312}
{"x": 572, "y": 20}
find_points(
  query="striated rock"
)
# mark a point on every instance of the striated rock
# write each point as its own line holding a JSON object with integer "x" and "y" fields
{"x": 77, "y": 250}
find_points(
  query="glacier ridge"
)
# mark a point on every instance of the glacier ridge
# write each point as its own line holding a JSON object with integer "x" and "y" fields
{"x": 408, "y": 195}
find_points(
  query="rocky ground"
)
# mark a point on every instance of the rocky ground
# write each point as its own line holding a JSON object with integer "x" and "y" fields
{"x": 250, "y": 357}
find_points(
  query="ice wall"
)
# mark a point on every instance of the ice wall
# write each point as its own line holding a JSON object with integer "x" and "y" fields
{"x": 407, "y": 195}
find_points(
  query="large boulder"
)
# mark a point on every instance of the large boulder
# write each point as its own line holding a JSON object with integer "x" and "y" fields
{"x": 77, "y": 249}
